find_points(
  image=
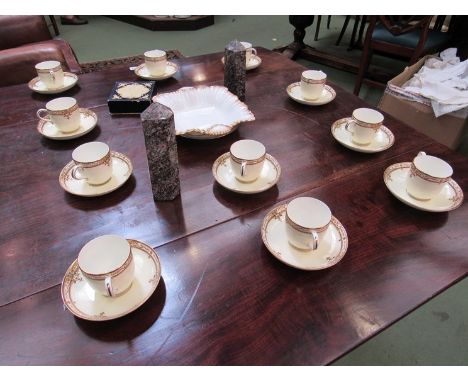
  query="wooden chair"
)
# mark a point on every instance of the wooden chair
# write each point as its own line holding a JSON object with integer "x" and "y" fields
{"x": 402, "y": 36}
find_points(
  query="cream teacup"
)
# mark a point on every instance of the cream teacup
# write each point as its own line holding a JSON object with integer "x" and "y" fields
{"x": 63, "y": 112}
{"x": 249, "y": 51}
{"x": 312, "y": 84}
{"x": 50, "y": 73}
{"x": 247, "y": 159}
{"x": 307, "y": 222}
{"x": 93, "y": 163}
{"x": 427, "y": 176}
{"x": 364, "y": 125}
{"x": 156, "y": 61}
{"x": 107, "y": 264}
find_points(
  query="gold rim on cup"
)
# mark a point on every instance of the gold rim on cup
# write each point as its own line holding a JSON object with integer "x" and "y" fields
{"x": 247, "y": 161}
{"x": 374, "y": 126}
{"x": 414, "y": 171}
{"x": 155, "y": 59}
{"x": 56, "y": 69}
{"x": 114, "y": 273}
{"x": 311, "y": 81}
{"x": 304, "y": 229}
{"x": 105, "y": 160}
{"x": 65, "y": 113}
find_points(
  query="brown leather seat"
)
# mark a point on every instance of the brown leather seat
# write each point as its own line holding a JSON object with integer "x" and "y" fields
{"x": 25, "y": 41}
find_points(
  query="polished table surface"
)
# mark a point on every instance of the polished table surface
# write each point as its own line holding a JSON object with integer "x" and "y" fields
{"x": 223, "y": 299}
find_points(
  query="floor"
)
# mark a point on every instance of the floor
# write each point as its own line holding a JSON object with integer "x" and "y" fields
{"x": 434, "y": 334}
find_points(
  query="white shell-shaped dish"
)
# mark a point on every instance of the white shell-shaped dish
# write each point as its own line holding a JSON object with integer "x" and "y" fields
{"x": 205, "y": 112}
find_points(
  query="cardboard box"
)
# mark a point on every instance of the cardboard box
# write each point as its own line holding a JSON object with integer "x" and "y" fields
{"x": 447, "y": 129}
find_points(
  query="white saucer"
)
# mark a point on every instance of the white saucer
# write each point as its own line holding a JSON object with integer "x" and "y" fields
{"x": 88, "y": 120}
{"x": 253, "y": 63}
{"x": 328, "y": 253}
{"x": 450, "y": 198}
{"x": 82, "y": 301}
{"x": 142, "y": 72}
{"x": 222, "y": 171}
{"x": 383, "y": 138}
{"x": 294, "y": 92}
{"x": 122, "y": 169}
{"x": 69, "y": 80}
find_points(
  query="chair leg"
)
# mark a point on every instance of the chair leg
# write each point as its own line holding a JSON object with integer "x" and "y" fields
{"x": 343, "y": 30}
{"x": 328, "y": 22}
{"x": 54, "y": 25}
{"x": 361, "y": 31}
{"x": 317, "y": 28}
{"x": 363, "y": 66}
{"x": 353, "y": 34}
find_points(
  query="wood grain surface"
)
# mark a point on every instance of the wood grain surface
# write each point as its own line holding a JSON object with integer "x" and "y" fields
{"x": 223, "y": 299}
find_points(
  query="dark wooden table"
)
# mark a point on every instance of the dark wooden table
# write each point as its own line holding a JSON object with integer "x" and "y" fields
{"x": 223, "y": 299}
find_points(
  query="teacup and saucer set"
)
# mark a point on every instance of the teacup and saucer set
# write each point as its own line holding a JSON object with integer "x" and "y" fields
{"x": 63, "y": 119}
{"x": 111, "y": 277}
{"x": 425, "y": 183}
{"x": 51, "y": 79}
{"x": 252, "y": 60}
{"x": 156, "y": 67}
{"x": 247, "y": 168}
{"x": 363, "y": 132}
{"x": 312, "y": 89}
{"x": 95, "y": 170}
{"x": 304, "y": 234}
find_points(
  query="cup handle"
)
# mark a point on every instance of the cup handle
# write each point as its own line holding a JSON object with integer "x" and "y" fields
{"x": 254, "y": 51}
{"x": 46, "y": 118}
{"x": 315, "y": 240}
{"x": 243, "y": 168}
{"x": 108, "y": 284}
{"x": 75, "y": 173}
{"x": 347, "y": 127}
{"x": 51, "y": 72}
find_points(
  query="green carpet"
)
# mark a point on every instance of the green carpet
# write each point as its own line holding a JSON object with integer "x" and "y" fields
{"x": 436, "y": 333}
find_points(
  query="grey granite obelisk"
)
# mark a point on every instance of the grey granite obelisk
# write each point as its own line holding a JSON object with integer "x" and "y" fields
{"x": 161, "y": 150}
{"x": 234, "y": 69}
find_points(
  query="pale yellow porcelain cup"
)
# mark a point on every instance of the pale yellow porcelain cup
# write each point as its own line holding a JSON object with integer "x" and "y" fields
{"x": 93, "y": 163}
{"x": 247, "y": 159}
{"x": 307, "y": 222}
{"x": 156, "y": 61}
{"x": 50, "y": 73}
{"x": 63, "y": 112}
{"x": 312, "y": 84}
{"x": 249, "y": 51}
{"x": 107, "y": 264}
{"x": 364, "y": 125}
{"x": 427, "y": 176}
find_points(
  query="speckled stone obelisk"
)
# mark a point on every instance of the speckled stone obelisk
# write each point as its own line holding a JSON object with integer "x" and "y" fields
{"x": 234, "y": 69}
{"x": 161, "y": 150}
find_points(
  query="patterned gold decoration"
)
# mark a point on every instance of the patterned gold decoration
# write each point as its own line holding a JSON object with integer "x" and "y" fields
{"x": 105, "y": 161}
{"x": 250, "y": 161}
{"x": 133, "y": 90}
{"x": 311, "y": 81}
{"x": 64, "y": 113}
{"x": 114, "y": 273}
{"x": 414, "y": 171}
{"x": 303, "y": 229}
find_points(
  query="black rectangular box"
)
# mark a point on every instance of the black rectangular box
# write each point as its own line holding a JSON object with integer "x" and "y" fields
{"x": 130, "y": 97}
